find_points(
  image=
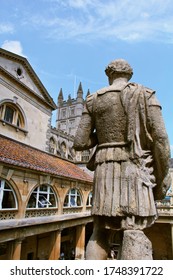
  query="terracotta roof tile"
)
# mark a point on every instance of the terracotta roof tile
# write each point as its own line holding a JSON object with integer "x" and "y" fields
{"x": 19, "y": 154}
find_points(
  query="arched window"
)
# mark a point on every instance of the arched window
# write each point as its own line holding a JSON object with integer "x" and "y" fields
{"x": 89, "y": 199}
{"x": 7, "y": 196}
{"x": 52, "y": 145}
{"x": 73, "y": 198}
{"x": 42, "y": 197}
{"x": 63, "y": 148}
{"x": 11, "y": 114}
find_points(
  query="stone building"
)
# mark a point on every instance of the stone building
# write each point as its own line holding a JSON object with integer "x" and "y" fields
{"x": 45, "y": 200}
{"x": 67, "y": 120}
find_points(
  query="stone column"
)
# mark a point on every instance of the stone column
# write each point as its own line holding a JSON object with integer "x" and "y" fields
{"x": 16, "y": 249}
{"x": 80, "y": 242}
{"x": 56, "y": 245}
{"x": 136, "y": 246}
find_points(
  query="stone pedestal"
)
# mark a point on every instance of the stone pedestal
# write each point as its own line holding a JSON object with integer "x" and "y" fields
{"x": 136, "y": 246}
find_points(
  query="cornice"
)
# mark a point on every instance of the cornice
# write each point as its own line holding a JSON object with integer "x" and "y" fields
{"x": 33, "y": 75}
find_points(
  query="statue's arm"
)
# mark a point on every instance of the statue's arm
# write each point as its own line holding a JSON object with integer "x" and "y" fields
{"x": 160, "y": 150}
{"x": 85, "y": 137}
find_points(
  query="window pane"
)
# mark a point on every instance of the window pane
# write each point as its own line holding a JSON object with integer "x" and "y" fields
{"x": 52, "y": 200}
{"x": 43, "y": 188}
{"x": 89, "y": 200}
{"x": 42, "y": 197}
{"x": 7, "y": 187}
{"x": 42, "y": 201}
{"x": 7, "y": 196}
{"x": 78, "y": 201}
{"x": 66, "y": 204}
{"x": 72, "y": 201}
{"x": 73, "y": 191}
{"x": 8, "y": 200}
{"x": 19, "y": 122}
{"x": 32, "y": 201}
{"x": 9, "y": 112}
{"x": 1, "y": 184}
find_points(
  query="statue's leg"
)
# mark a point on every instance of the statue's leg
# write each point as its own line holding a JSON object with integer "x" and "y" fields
{"x": 98, "y": 245}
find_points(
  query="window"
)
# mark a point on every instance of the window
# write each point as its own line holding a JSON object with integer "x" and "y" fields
{"x": 72, "y": 111}
{"x": 63, "y": 150}
{"x": 10, "y": 113}
{"x": 85, "y": 155}
{"x": 63, "y": 125}
{"x": 72, "y": 123}
{"x": 89, "y": 199}
{"x": 52, "y": 145}
{"x": 63, "y": 113}
{"x": 42, "y": 197}
{"x": 7, "y": 196}
{"x": 19, "y": 72}
{"x": 73, "y": 199}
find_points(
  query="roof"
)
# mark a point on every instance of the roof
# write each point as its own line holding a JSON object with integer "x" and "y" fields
{"x": 26, "y": 64}
{"x": 21, "y": 155}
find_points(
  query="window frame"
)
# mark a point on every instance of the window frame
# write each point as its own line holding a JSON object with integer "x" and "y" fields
{"x": 75, "y": 195}
{"x": 89, "y": 199}
{"x": 45, "y": 194}
{"x": 18, "y": 120}
{"x": 72, "y": 111}
{"x": 3, "y": 183}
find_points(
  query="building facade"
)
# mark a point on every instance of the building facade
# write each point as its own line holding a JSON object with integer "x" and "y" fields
{"x": 45, "y": 200}
{"x": 45, "y": 193}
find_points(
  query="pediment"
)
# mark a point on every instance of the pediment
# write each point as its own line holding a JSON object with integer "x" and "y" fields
{"x": 19, "y": 68}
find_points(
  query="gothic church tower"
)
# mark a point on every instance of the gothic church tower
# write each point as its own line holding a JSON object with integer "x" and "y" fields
{"x": 69, "y": 112}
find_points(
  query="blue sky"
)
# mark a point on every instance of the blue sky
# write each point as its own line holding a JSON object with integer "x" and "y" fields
{"x": 71, "y": 41}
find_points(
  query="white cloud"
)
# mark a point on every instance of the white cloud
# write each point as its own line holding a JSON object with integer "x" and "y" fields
{"x": 13, "y": 46}
{"x": 79, "y": 3}
{"x": 112, "y": 19}
{"x": 6, "y": 28}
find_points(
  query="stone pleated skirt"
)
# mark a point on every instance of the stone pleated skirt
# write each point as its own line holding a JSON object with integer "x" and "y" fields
{"x": 122, "y": 189}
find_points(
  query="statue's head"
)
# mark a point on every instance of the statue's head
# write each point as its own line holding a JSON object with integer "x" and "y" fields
{"x": 119, "y": 67}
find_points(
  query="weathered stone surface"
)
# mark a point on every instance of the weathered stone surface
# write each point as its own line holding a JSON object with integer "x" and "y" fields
{"x": 124, "y": 123}
{"x": 136, "y": 246}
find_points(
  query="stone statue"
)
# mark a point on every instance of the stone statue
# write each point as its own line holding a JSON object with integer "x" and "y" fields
{"x": 131, "y": 161}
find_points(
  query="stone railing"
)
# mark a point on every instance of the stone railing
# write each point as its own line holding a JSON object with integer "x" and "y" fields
{"x": 88, "y": 208}
{"x": 8, "y": 214}
{"x": 40, "y": 212}
{"x": 70, "y": 210}
{"x": 165, "y": 208}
